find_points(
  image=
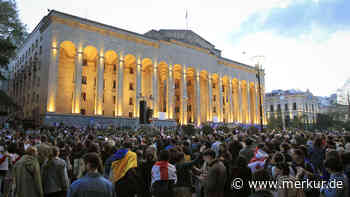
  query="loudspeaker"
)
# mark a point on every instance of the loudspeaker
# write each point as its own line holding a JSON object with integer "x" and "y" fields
{"x": 143, "y": 111}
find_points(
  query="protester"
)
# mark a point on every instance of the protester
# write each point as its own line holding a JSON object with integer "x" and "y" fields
{"x": 27, "y": 175}
{"x": 93, "y": 183}
{"x": 163, "y": 176}
{"x": 214, "y": 182}
{"x": 169, "y": 163}
{"x": 54, "y": 175}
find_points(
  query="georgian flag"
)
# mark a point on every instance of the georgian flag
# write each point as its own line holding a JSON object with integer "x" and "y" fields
{"x": 162, "y": 171}
{"x": 258, "y": 161}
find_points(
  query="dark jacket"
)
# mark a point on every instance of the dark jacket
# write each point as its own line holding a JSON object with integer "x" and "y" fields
{"x": 215, "y": 182}
{"x": 54, "y": 176}
{"x": 247, "y": 152}
{"x": 246, "y": 175}
{"x": 145, "y": 170}
{"x": 262, "y": 193}
{"x": 183, "y": 172}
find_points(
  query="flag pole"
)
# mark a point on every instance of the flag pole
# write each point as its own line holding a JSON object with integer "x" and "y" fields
{"x": 186, "y": 17}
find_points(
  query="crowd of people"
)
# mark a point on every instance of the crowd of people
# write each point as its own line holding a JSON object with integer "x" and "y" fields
{"x": 84, "y": 162}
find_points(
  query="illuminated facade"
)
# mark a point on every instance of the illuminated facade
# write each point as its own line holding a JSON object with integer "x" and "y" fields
{"x": 74, "y": 66}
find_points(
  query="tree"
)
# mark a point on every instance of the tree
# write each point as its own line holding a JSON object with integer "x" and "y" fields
{"x": 275, "y": 123}
{"x": 12, "y": 31}
{"x": 297, "y": 122}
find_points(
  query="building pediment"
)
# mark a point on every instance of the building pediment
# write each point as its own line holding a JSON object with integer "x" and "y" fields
{"x": 187, "y": 36}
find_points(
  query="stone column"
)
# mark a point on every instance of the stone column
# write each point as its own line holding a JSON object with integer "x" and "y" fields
{"x": 138, "y": 88}
{"x": 155, "y": 90}
{"x": 230, "y": 101}
{"x": 210, "y": 91}
{"x": 77, "y": 91}
{"x": 120, "y": 86}
{"x": 221, "y": 118}
{"x": 170, "y": 93}
{"x": 184, "y": 97}
{"x": 52, "y": 79}
{"x": 240, "y": 107}
{"x": 198, "y": 96}
{"x": 248, "y": 103}
{"x": 100, "y": 82}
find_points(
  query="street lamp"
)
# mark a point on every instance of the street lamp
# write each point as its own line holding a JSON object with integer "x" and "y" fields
{"x": 258, "y": 60}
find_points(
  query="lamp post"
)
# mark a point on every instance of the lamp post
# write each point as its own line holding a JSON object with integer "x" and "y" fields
{"x": 258, "y": 59}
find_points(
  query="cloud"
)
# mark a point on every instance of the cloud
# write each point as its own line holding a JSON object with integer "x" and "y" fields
{"x": 305, "y": 41}
{"x": 301, "y": 17}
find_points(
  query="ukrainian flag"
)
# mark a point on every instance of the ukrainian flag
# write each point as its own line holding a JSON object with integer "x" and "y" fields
{"x": 121, "y": 166}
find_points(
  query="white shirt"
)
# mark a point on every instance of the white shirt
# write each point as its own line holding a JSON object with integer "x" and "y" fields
{"x": 5, "y": 164}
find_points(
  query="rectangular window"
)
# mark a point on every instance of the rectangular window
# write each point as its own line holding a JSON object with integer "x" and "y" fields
{"x": 177, "y": 109}
{"x": 271, "y": 108}
{"x": 114, "y": 84}
{"x": 279, "y": 107}
{"x": 130, "y": 101}
{"x": 84, "y": 62}
{"x": 214, "y": 85}
{"x": 113, "y": 113}
{"x": 83, "y": 80}
{"x": 95, "y": 82}
{"x": 114, "y": 99}
{"x": 214, "y": 98}
{"x": 114, "y": 67}
{"x": 214, "y": 110}
{"x": 130, "y": 114}
{"x": 131, "y": 71}
{"x": 131, "y": 86}
{"x": 82, "y": 111}
{"x": 294, "y": 106}
{"x": 286, "y": 107}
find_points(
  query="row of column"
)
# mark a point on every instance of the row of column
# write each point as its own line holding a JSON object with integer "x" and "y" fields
{"x": 235, "y": 114}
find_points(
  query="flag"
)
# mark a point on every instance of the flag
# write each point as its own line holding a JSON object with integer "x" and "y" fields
{"x": 125, "y": 161}
{"x": 163, "y": 171}
{"x": 258, "y": 161}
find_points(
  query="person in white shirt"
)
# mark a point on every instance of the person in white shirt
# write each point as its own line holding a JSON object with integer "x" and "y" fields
{"x": 4, "y": 165}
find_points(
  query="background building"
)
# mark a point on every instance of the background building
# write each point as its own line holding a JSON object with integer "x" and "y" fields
{"x": 79, "y": 71}
{"x": 291, "y": 104}
{"x": 343, "y": 93}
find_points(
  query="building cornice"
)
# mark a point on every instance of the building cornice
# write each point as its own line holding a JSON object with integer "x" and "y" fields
{"x": 103, "y": 31}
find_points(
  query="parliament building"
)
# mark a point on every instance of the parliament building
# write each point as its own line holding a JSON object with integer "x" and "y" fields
{"x": 75, "y": 70}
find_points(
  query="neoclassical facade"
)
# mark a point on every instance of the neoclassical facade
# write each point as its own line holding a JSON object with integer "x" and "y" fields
{"x": 74, "y": 66}
{"x": 289, "y": 104}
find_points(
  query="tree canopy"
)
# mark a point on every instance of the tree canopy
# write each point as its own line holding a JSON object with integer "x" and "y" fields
{"x": 12, "y": 31}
